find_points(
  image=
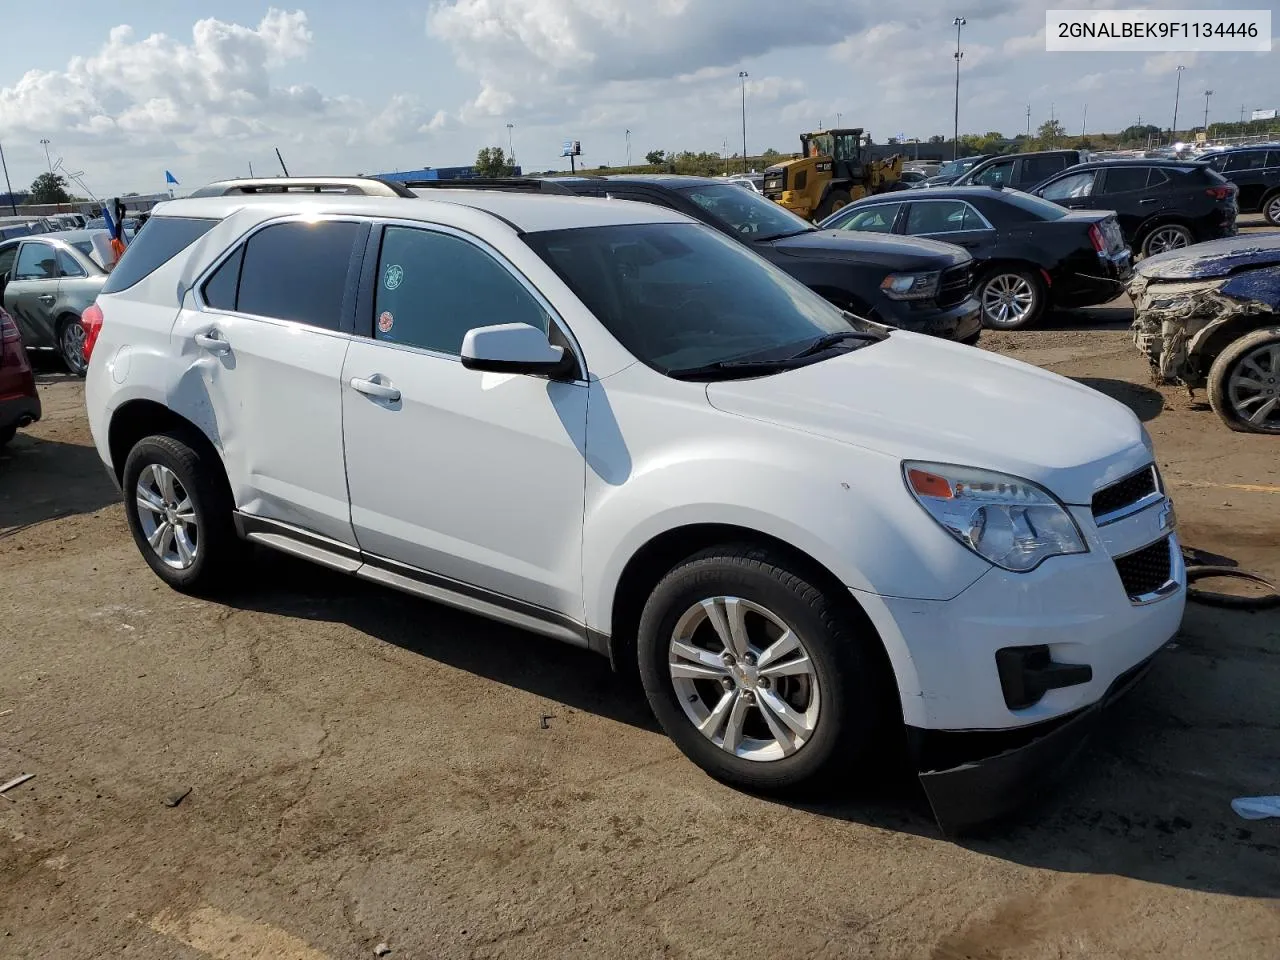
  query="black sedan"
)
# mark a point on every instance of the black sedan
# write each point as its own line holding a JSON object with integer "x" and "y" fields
{"x": 907, "y": 282}
{"x": 1030, "y": 254}
{"x": 1160, "y": 204}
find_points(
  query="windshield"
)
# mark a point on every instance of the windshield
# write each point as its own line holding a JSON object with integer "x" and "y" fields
{"x": 956, "y": 167}
{"x": 745, "y": 212}
{"x": 681, "y": 295}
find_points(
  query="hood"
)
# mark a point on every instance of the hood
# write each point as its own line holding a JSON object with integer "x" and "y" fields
{"x": 893, "y": 252}
{"x": 917, "y": 397}
{"x": 1217, "y": 258}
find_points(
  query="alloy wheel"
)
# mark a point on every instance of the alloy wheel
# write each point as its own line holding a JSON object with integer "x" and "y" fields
{"x": 167, "y": 516}
{"x": 73, "y": 337}
{"x": 1163, "y": 239}
{"x": 1007, "y": 300}
{"x": 1253, "y": 387}
{"x": 744, "y": 678}
{"x": 1273, "y": 210}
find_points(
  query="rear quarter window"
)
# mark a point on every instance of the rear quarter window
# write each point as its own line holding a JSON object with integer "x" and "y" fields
{"x": 164, "y": 239}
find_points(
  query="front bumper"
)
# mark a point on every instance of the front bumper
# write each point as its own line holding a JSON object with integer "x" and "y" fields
{"x": 962, "y": 322}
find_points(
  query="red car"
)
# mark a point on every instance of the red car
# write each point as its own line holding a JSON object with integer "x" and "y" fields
{"x": 19, "y": 402}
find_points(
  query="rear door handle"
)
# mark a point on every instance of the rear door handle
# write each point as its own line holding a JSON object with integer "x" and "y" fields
{"x": 214, "y": 344}
{"x": 374, "y": 387}
{"x": 46, "y": 298}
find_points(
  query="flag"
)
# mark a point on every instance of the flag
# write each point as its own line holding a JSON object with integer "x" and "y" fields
{"x": 170, "y": 178}
{"x": 116, "y": 233}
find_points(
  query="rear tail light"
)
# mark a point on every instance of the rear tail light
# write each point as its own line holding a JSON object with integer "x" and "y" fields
{"x": 8, "y": 329}
{"x": 91, "y": 320}
{"x": 1096, "y": 238}
{"x": 1225, "y": 192}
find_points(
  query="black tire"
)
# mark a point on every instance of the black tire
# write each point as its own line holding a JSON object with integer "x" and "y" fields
{"x": 1219, "y": 383}
{"x": 218, "y": 549}
{"x": 7, "y": 434}
{"x": 1270, "y": 208}
{"x": 1179, "y": 235}
{"x": 852, "y": 716}
{"x": 71, "y": 337}
{"x": 834, "y": 200}
{"x": 999, "y": 275}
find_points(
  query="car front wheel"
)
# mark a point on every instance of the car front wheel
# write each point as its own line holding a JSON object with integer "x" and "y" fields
{"x": 758, "y": 676}
{"x": 179, "y": 512}
{"x": 1244, "y": 383}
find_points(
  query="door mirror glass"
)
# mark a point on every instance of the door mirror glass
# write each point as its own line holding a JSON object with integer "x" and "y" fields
{"x": 514, "y": 348}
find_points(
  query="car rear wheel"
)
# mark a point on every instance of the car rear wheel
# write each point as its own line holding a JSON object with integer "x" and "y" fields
{"x": 1244, "y": 383}
{"x": 1010, "y": 298}
{"x": 71, "y": 337}
{"x": 1271, "y": 209}
{"x": 756, "y": 675}
{"x": 179, "y": 512}
{"x": 835, "y": 200}
{"x": 1169, "y": 236}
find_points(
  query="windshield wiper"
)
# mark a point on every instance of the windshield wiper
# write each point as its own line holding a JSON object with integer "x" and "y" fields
{"x": 732, "y": 368}
{"x": 829, "y": 340}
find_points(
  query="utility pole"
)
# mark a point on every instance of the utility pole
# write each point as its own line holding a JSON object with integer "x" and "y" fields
{"x": 1028, "y": 121}
{"x": 1084, "y": 120}
{"x": 628, "y": 148}
{"x": 1053, "y": 125}
{"x": 45, "y": 144}
{"x": 511, "y": 149}
{"x": 958, "y": 23}
{"x": 838, "y": 116}
{"x": 13, "y": 205}
{"x": 742, "y": 78}
{"x": 1207, "y": 95}
{"x": 1177, "y": 94}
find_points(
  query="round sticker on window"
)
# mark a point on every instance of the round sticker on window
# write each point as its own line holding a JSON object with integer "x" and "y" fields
{"x": 386, "y": 321}
{"x": 393, "y": 276}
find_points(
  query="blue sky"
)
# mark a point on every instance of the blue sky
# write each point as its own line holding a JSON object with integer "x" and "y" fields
{"x": 390, "y": 84}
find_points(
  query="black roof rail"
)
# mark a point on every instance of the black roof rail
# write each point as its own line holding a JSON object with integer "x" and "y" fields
{"x": 512, "y": 184}
{"x": 348, "y": 186}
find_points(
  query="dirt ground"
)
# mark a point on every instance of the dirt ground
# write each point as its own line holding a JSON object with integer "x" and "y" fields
{"x": 368, "y": 768}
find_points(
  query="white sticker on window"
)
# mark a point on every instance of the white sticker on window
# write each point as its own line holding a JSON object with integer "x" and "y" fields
{"x": 393, "y": 276}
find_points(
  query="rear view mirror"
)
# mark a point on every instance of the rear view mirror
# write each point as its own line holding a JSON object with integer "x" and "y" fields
{"x": 514, "y": 348}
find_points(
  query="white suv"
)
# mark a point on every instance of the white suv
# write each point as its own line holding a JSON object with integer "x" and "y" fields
{"x": 607, "y": 423}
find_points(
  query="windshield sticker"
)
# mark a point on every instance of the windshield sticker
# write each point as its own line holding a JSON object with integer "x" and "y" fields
{"x": 393, "y": 276}
{"x": 386, "y": 321}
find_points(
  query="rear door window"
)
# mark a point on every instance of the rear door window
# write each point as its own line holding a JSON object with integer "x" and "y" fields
{"x": 1125, "y": 179}
{"x": 1036, "y": 169}
{"x": 1246, "y": 160}
{"x": 1273, "y": 159}
{"x": 297, "y": 271}
{"x": 936, "y": 216}
{"x": 1156, "y": 177}
{"x": 164, "y": 239}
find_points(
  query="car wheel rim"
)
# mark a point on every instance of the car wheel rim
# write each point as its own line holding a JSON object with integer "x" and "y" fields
{"x": 1253, "y": 388}
{"x": 1167, "y": 238}
{"x": 168, "y": 516}
{"x": 73, "y": 338}
{"x": 1007, "y": 300}
{"x": 744, "y": 679}
{"x": 1273, "y": 210}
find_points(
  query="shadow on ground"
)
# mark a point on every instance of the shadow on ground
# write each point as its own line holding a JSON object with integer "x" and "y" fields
{"x": 1109, "y": 316}
{"x": 1145, "y": 402}
{"x": 36, "y": 481}
{"x": 1123, "y": 808}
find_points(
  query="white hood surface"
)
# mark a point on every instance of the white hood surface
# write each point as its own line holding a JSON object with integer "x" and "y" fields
{"x": 921, "y": 398}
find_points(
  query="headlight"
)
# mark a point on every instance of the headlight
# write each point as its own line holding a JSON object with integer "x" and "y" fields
{"x": 911, "y": 286}
{"x": 1006, "y": 520}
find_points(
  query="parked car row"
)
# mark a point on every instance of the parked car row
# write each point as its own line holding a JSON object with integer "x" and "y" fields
{"x": 615, "y": 424}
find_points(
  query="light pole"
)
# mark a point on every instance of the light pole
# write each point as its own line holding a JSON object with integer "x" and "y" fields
{"x": 742, "y": 78}
{"x": 838, "y": 116}
{"x": 1084, "y": 121}
{"x": 1207, "y": 95}
{"x": 511, "y": 150}
{"x": 958, "y": 22}
{"x": 628, "y": 148}
{"x": 1028, "y": 122}
{"x": 1177, "y": 93}
{"x": 45, "y": 144}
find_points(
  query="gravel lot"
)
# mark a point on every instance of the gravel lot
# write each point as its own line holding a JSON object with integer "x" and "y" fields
{"x": 367, "y": 768}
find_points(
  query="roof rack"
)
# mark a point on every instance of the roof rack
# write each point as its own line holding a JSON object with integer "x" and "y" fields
{"x": 512, "y": 184}
{"x": 349, "y": 186}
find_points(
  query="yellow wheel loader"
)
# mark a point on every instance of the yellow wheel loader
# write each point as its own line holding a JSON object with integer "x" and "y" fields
{"x": 834, "y": 168}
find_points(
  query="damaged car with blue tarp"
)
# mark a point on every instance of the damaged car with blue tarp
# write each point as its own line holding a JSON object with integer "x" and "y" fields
{"x": 1208, "y": 316}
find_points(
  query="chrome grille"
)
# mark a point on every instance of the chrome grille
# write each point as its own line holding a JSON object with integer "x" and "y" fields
{"x": 1147, "y": 571}
{"x": 1133, "y": 493}
{"x": 954, "y": 285}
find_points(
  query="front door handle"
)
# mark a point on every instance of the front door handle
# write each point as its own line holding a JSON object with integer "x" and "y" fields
{"x": 47, "y": 299}
{"x": 374, "y": 387}
{"x": 214, "y": 344}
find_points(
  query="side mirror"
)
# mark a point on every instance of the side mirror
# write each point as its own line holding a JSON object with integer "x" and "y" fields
{"x": 514, "y": 348}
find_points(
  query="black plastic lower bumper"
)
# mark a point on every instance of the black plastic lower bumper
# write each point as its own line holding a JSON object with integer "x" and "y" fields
{"x": 19, "y": 411}
{"x": 972, "y": 778}
{"x": 961, "y": 321}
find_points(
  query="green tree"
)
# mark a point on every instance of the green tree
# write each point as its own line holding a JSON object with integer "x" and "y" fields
{"x": 655, "y": 157}
{"x": 492, "y": 162}
{"x": 770, "y": 154}
{"x": 937, "y": 138}
{"x": 1049, "y": 134}
{"x": 50, "y": 188}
